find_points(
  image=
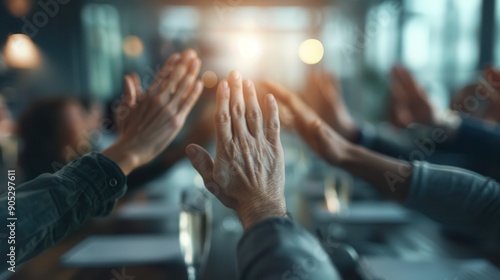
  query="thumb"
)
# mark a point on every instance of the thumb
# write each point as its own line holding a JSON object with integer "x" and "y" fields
{"x": 130, "y": 94}
{"x": 202, "y": 162}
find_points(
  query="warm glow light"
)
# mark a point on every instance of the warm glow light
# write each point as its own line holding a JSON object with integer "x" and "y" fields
{"x": 311, "y": 51}
{"x": 249, "y": 47}
{"x": 21, "y": 52}
{"x": 132, "y": 46}
{"x": 19, "y": 8}
{"x": 209, "y": 79}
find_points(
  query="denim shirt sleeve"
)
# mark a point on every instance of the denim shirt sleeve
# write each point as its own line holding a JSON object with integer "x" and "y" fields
{"x": 456, "y": 197}
{"x": 52, "y": 206}
{"x": 279, "y": 249}
{"x": 385, "y": 140}
{"x": 476, "y": 137}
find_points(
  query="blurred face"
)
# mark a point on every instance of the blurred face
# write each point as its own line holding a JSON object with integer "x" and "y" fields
{"x": 74, "y": 116}
{"x": 5, "y": 120}
{"x": 95, "y": 116}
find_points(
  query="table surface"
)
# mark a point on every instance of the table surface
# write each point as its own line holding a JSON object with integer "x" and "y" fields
{"x": 420, "y": 239}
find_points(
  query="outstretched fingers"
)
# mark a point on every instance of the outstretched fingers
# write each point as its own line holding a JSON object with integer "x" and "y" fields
{"x": 272, "y": 121}
{"x": 222, "y": 114}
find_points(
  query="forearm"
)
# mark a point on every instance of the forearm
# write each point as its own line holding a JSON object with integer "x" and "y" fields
{"x": 450, "y": 195}
{"x": 388, "y": 175}
{"x": 384, "y": 140}
{"x": 279, "y": 249}
{"x": 52, "y": 206}
{"x": 456, "y": 197}
{"x": 121, "y": 153}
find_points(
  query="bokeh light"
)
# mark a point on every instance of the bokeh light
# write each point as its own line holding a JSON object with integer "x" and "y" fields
{"x": 19, "y": 8}
{"x": 249, "y": 47}
{"x": 133, "y": 46}
{"x": 21, "y": 52}
{"x": 311, "y": 51}
{"x": 209, "y": 79}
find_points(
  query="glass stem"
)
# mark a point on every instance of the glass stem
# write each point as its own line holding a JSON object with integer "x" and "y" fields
{"x": 191, "y": 271}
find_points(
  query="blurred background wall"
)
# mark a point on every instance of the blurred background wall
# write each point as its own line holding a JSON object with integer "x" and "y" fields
{"x": 83, "y": 48}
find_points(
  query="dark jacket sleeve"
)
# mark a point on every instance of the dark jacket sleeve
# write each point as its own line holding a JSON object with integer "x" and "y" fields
{"x": 471, "y": 137}
{"x": 279, "y": 249}
{"x": 456, "y": 197}
{"x": 477, "y": 138}
{"x": 52, "y": 206}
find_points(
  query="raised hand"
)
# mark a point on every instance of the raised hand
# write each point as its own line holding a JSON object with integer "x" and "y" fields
{"x": 410, "y": 102}
{"x": 337, "y": 151}
{"x": 149, "y": 121}
{"x": 247, "y": 174}
{"x": 492, "y": 93}
{"x": 323, "y": 94}
{"x": 309, "y": 125}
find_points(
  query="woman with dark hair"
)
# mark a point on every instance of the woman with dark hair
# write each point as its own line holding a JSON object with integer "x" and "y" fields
{"x": 51, "y": 134}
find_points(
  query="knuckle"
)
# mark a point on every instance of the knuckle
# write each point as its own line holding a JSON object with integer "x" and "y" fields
{"x": 237, "y": 110}
{"x": 213, "y": 188}
{"x": 222, "y": 118}
{"x": 274, "y": 125}
{"x": 254, "y": 114}
{"x": 225, "y": 98}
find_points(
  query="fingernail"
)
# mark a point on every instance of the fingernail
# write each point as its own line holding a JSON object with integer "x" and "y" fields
{"x": 271, "y": 99}
{"x": 176, "y": 57}
{"x": 248, "y": 83}
{"x": 224, "y": 84}
{"x": 235, "y": 75}
{"x": 191, "y": 151}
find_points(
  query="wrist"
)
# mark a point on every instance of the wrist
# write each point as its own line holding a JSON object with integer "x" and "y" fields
{"x": 123, "y": 156}
{"x": 250, "y": 215}
{"x": 348, "y": 155}
{"x": 335, "y": 149}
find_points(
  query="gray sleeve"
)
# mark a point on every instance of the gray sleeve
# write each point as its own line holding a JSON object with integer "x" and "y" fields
{"x": 279, "y": 249}
{"x": 456, "y": 197}
{"x": 52, "y": 206}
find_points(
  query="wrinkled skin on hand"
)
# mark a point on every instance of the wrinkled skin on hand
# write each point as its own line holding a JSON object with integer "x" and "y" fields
{"x": 247, "y": 173}
{"x": 148, "y": 122}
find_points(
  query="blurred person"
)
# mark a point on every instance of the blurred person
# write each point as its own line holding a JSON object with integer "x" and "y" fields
{"x": 8, "y": 142}
{"x": 50, "y": 132}
{"x": 453, "y": 196}
{"x": 56, "y": 205}
{"x": 469, "y": 131}
{"x": 247, "y": 175}
{"x": 465, "y": 94}
{"x": 411, "y": 106}
{"x": 94, "y": 113}
{"x": 6, "y": 122}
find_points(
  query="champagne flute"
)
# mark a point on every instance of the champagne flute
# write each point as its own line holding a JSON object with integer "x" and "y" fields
{"x": 338, "y": 186}
{"x": 194, "y": 230}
